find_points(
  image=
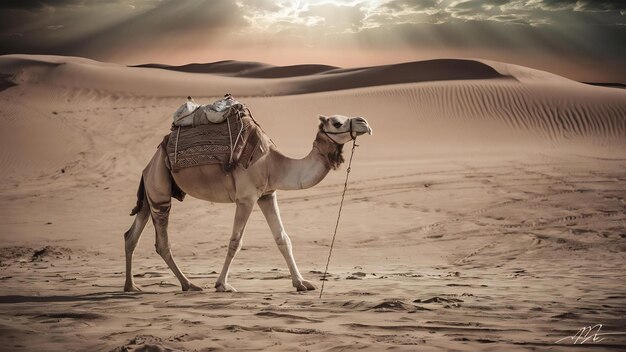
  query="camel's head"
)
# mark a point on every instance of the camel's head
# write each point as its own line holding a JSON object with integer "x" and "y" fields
{"x": 342, "y": 129}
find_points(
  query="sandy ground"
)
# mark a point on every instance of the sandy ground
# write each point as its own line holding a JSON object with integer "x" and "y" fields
{"x": 482, "y": 215}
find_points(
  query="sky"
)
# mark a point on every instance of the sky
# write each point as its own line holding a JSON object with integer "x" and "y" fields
{"x": 583, "y": 40}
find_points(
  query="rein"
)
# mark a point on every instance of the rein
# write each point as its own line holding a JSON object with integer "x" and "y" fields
{"x": 343, "y": 195}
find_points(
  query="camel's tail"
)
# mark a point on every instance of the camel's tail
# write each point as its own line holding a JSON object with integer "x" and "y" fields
{"x": 141, "y": 194}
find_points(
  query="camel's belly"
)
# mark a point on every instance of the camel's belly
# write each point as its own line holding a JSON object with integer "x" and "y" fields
{"x": 207, "y": 182}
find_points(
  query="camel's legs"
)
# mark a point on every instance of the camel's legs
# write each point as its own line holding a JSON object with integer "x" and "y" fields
{"x": 160, "y": 218}
{"x": 269, "y": 206}
{"x": 131, "y": 238}
{"x": 244, "y": 208}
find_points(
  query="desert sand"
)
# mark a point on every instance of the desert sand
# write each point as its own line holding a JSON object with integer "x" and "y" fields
{"x": 487, "y": 211}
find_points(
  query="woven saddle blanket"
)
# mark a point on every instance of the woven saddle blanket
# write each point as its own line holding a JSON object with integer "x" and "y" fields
{"x": 236, "y": 141}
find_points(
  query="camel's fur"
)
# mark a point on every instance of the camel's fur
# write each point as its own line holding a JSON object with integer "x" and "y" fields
{"x": 258, "y": 183}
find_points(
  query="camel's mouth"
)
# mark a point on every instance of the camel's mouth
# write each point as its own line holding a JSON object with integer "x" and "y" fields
{"x": 361, "y": 126}
{"x": 360, "y": 133}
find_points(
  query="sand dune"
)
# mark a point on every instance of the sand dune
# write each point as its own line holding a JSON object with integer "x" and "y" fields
{"x": 247, "y": 69}
{"x": 151, "y": 81}
{"x": 485, "y": 213}
{"x": 228, "y": 67}
{"x": 328, "y": 78}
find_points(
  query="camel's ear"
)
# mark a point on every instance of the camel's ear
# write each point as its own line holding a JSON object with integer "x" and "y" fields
{"x": 323, "y": 118}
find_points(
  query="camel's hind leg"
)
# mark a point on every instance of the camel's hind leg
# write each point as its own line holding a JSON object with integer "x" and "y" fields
{"x": 131, "y": 238}
{"x": 158, "y": 192}
{"x": 160, "y": 218}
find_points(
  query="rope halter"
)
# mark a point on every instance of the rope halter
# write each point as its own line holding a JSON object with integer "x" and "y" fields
{"x": 353, "y": 134}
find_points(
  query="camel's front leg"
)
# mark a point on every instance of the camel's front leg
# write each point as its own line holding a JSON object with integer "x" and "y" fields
{"x": 269, "y": 206}
{"x": 244, "y": 208}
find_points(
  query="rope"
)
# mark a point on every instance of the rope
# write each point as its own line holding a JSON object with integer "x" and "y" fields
{"x": 343, "y": 196}
{"x": 230, "y": 136}
{"x": 239, "y": 134}
{"x": 176, "y": 147}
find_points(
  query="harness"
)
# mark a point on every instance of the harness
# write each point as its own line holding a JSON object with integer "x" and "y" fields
{"x": 351, "y": 131}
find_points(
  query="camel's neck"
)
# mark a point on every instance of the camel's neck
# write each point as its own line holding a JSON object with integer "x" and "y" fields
{"x": 288, "y": 173}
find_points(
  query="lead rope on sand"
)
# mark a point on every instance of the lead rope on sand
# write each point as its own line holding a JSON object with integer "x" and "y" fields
{"x": 343, "y": 196}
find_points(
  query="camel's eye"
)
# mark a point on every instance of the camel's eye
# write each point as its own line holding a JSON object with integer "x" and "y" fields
{"x": 337, "y": 124}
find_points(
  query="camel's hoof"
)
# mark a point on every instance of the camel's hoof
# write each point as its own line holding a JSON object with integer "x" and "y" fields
{"x": 224, "y": 288}
{"x": 309, "y": 285}
{"x": 304, "y": 286}
{"x": 192, "y": 287}
{"x": 132, "y": 288}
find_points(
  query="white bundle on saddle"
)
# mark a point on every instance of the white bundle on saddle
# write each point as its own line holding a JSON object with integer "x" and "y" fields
{"x": 192, "y": 114}
{"x": 184, "y": 114}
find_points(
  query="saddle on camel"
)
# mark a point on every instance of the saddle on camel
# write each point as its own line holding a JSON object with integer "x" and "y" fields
{"x": 224, "y": 132}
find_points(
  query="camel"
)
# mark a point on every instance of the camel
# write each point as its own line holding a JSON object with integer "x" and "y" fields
{"x": 244, "y": 187}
